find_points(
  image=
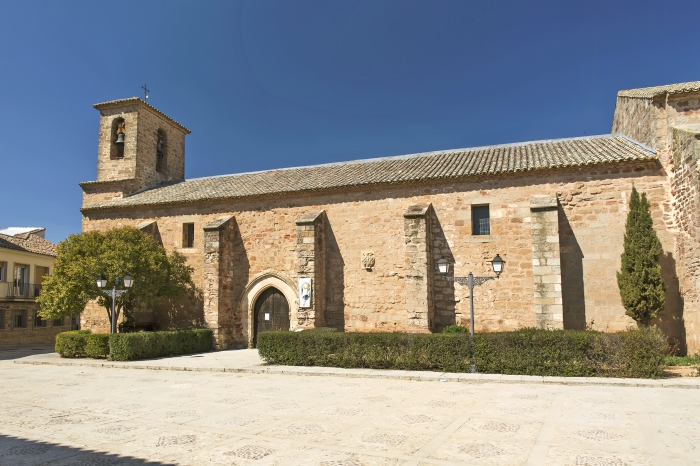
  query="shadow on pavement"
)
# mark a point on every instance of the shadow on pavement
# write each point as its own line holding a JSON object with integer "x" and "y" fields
{"x": 16, "y": 352}
{"x": 15, "y": 450}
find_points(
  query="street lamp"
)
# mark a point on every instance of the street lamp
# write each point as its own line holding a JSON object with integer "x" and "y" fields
{"x": 443, "y": 265}
{"x": 114, "y": 293}
{"x": 471, "y": 281}
{"x": 497, "y": 264}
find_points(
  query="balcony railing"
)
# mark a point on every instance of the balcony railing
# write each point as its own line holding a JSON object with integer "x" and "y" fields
{"x": 14, "y": 290}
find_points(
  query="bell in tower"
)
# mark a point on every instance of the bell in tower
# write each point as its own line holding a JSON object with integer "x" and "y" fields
{"x": 120, "y": 132}
{"x": 139, "y": 147}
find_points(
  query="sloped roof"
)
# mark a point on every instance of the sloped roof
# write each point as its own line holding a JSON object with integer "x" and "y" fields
{"x": 650, "y": 92}
{"x": 11, "y": 231}
{"x": 113, "y": 103}
{"x": 442, "y": 165}
{"x": 28, "y": 243}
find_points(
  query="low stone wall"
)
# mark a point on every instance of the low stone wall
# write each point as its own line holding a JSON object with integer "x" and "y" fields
{"x": 30, "y": 334}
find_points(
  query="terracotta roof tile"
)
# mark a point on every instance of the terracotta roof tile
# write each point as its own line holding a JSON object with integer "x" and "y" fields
{"x": 110, "y": 103}
{"x": 28, "y": 243}
{"x": 649, "y": 92}
{"x": 450, "y": 164}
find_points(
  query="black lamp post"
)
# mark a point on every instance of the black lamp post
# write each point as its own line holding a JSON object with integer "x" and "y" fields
{"x": 471, "y": 281}
{"x": 113, "y": 293}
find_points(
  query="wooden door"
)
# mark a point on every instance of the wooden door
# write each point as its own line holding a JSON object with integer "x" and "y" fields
{"x": 271, "y": 312}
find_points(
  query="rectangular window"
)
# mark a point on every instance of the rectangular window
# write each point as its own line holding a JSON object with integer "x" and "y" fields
{"x": 188, "y": 235}
{"x": 38, "y": 321}
{"x": 58, "y": 322}
{"x": 2, "y": 319}
{"x": 19, "y": 319}
{"x": 75, "y": 322}
{"x": 3, "y": 271}
{"x": 20, "y": 281}
{"x": 481, "y": 220}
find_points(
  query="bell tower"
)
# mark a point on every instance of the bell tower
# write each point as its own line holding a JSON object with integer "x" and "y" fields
{"x": 139, "y": 148}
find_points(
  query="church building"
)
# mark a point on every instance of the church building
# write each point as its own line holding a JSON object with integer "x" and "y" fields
{"x": 355, "y": 245}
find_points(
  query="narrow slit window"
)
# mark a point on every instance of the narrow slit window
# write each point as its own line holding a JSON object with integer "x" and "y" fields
{"x": 2, "y": 319}
{"x": 481, "y": 220}
{"x": 188, "y": 235}
{"x": 160, "y": 151}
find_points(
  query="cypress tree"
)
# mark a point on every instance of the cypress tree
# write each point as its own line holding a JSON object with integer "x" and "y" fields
{"x": 639, "y": 278}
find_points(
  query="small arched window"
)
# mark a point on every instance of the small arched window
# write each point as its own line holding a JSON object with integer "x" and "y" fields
{"x": 160, "y": 151}
{"x": 118, "y": 136}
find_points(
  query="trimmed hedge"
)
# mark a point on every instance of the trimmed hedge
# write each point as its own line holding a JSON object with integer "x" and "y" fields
{"x": 322, "y": 329}
{"x": 149, "y": 345}
{"x": 455, "y": 329}
{"x": 97, "y": 345}
{"x": 439, "y": 352}
{"x": 132, "y": 346}
{"x": 571, "y": 353}
{"x": 81, "y": 344}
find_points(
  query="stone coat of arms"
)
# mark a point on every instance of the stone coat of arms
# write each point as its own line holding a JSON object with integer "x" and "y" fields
{"x": 367, "y": 259}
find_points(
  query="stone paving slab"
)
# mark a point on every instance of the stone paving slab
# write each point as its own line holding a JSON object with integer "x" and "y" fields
{"x": 248, "y": 361}
{"x": 94, "y": 415}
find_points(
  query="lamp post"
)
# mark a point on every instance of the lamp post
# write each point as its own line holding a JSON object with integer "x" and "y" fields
{"x": 471, "y": 281}
{"x": 114, "y": 293}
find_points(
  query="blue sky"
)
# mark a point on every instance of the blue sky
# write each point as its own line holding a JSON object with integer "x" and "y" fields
{"x": 266, "y": 84}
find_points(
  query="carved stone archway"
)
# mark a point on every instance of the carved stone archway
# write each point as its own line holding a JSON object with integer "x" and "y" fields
{"x": 258, "y": 284}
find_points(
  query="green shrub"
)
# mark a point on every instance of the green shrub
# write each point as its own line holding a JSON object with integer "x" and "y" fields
{"x": 367, "y": 350}
{"x": 634, "y": 353}
{"x": 535, "y": 352}
{"x": 97, "y": 345}
{"x": 455, "y": 329}
{"x": 682, "y": 360}
{"x": 148, "y": 345}
{"x": 570, "y": 353}
{"x": 71, "y": 344}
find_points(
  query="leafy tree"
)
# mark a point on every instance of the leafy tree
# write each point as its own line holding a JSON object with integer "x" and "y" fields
{"x": 639, "y": 279}
{"x": 115, "y": 253}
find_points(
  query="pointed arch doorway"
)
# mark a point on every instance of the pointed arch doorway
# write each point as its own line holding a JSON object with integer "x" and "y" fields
{"x": 271, "y": 312}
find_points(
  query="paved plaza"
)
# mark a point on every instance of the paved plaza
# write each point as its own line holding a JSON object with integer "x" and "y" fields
{"x": 91, "y": 415}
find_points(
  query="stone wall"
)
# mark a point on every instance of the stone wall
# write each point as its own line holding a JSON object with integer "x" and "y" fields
{"x": 101, "y": 191}
{"x": 591, "y": 233}
{"x": 666, "y": 123}
{"x": 109, "y": 168}
{"x": 636, "y": 119}
{"x": 138, "y": 165}
{"x": 419, "y": 267}
{"x": 219, "y": 269}
{"x": 10, "y": 336}
{"x": 173, "y": 167}
{"x": 650, "y": 121}
{"x": 546, "y": 264}
{"x": 686, "y": 190}
{"x": 311, "y": 263}
{"x": 592, "y": 213}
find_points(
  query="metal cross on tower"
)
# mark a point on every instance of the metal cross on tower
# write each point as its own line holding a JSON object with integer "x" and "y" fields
{"x": 145, "y": 91}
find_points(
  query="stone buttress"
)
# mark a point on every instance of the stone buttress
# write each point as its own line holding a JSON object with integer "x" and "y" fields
{"x": 546, "y": 264}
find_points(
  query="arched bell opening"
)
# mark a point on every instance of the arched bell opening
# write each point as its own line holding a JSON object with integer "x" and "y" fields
{"x": 118, "y": 137}
{"x": 161, "y": 152}
{"x": 271, "y": 312}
